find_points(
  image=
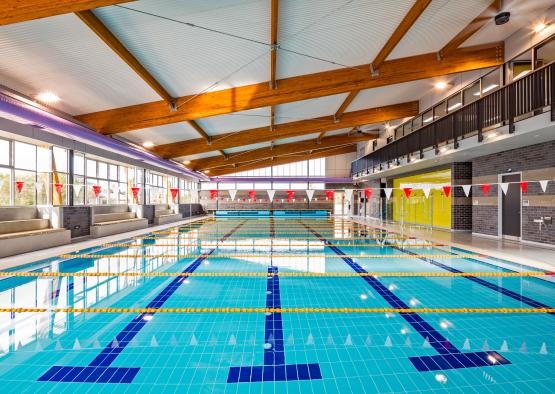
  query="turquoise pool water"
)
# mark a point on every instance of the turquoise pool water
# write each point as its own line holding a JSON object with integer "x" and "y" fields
{"x": 282, "y": 351}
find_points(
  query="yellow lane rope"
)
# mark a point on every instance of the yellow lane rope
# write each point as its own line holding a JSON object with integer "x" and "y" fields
{"x": 267, "y": 275}
{"x": 275, "y": 255}
{"x": 246, "y": 232}
{"x": 277, "y": 235}
{"x": 280, "y": 310}
{"x": 225, "y": 245}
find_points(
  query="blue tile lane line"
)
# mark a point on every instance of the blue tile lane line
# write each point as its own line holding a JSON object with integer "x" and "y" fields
{"x": 449, "y": 356}
{"x": 480, "y": 281}
{"x": 99, "y": 370}
{"x": 274, "y": 368}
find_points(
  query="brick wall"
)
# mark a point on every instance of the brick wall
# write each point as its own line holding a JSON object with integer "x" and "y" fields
{"x": 77, "y": 219}
{"x": 461, "y": 206}
{"x": 536, "y": 162}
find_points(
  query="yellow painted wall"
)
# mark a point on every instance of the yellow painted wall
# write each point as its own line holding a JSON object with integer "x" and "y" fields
{"x": 432, "y": 211}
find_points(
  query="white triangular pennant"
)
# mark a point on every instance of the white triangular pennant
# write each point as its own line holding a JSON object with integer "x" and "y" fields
{"x": 77, "y": 189}
{"x": 309, "y": 194}
{"x": 543, "y": 184}
{"x": 271, "y": 194}
{"x": 348, "y": 194}
{"x": 466, "y": 189}
{"x": 426, "y": 190}
{"x": 504, "y": 187}
{"x": 232, "y": 194}
{"x": 388, "y": 192}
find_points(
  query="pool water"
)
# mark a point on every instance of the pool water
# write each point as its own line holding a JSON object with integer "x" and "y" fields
{"x": 294, "y": 305}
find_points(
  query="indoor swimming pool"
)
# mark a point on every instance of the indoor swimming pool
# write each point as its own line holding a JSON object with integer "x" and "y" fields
{"x": 295, "y": 305}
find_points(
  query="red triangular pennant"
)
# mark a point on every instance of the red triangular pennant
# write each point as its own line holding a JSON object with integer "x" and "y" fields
{"x": 447, "y": 190}
{"x": 408, "y": 191}
{"x": 523, "y": 186}
{"x": 485, "y": 188}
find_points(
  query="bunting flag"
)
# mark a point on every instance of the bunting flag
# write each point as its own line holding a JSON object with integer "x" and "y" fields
{"x": 1, "y": 183}
{"x": 58, "y": 187}
{"x": 504, "y": 186}
{"x": 309, "y": 194}
{"x": 426, "y": 191}
{"x": 329, "y": 194}
{"x": 524, "y": 186}
{"x": 174, "y": 192}
{"x": 38, "y": 186}
{"x": 213, "y": 194}
{"x": 252, "y": 195}
{"x": 77, "y": 189}
{"x": 368, "y": 193}
{"x": 232, "y": 194}
{"x": 485, "y": 188}
{"x": 543, "y": 184}
{"x": 19, "y": 186}
{"x": 407, "y": 191}
{"x": 96, "y": 189}
{"x": 290, "y": 195}
{"x": 466, "y": 189}
{"x": 135, "y": 191}
{"x": 388, "y": 192}
{"x": 348, "y": 194}
{"x": 447, "y": 190}
{"x": 271, "y": 194}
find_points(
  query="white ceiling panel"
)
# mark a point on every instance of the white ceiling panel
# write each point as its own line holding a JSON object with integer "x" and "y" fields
{"x": 523, "y": 13}
{"x": 308, "y": 109}
{"x": 236, "y": 121}
{"x": 165, "y": 134}
{"x": 248, "y": 147}
{"x": 388, "y": 95}
{"x": 62, "y": 55}
{"x": 346, "y": 32}
{"x": 441, "y": 21}
{"x": 297, "y": 139}
{"x": 338, "y": 132}
{"x": 187, "y": 60}
{"x": 197, "y": 156}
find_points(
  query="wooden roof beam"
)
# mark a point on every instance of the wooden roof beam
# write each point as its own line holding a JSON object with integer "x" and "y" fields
{"x": 289, "y": 129}
{"x": 200, "y": 130}
{"x": 408, "y": 21}
{"x": 96, "y": 25}
{"x": 476, "y": 24}
{"x": 210, "y": 163}
{"x": 274, "y": 42}
{"x": 297, "y": 88}
{"x": 274, "y": 161}
{"x": 15, "y": 11}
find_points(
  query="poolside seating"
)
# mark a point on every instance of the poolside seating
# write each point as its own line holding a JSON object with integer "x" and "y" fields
{"x": 22, "y": 230}
{"x": 164, "y": 214}
{"x": 114, "y": 219}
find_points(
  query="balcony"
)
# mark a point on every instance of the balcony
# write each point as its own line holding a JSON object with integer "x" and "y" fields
{"x": 524, "y": 98}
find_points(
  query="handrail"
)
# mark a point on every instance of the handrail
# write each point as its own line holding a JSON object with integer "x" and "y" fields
{"x": 527, "y": 95}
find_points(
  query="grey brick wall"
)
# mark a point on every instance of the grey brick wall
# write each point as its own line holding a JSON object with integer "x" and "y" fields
{"x": 77, "y": 219}
{"x": 461, "y": 206}
{"x": 535, "y": 162}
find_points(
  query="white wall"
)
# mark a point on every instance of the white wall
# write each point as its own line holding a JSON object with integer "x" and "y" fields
{"x": 340, "y": 165}
{"x": 525, "y": 38}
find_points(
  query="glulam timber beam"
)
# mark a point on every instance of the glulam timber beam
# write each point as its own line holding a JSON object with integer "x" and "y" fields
{"x": 15, "y": 11}
{"x": 292, "y": 89}
{"x": 207, "y": 139}
{"x": 408, "y": 21}
{"x": 287, "y": 130}
{"x": 469, "y": 30}
{"x": 210, "y": 163}
{"x": 96, "y": 25}
{"x": 290, "y": 158}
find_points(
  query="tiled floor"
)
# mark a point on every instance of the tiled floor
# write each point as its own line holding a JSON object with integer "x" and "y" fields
{"x": 536, "y": 256}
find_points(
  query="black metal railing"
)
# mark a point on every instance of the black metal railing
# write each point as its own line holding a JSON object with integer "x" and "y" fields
{"x": 528, "y": 96}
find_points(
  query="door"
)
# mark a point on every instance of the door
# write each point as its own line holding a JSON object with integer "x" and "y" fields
{"x": 511, "y": 206}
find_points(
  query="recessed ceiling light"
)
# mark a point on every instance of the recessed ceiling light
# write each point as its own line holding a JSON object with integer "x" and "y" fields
{"x": 539, "y": 27}
{"x": 206, "y": 171}
{"x": 441, "y": 85}
{"x": 148, "y": 144}
{"x": 47, "y": 97}
{"x": 187, "y": 162}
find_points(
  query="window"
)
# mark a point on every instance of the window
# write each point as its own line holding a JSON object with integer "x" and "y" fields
{"x": 545, "y": 53}
{"x": 427, "y": 117}
{"x": 491, "y": 81}
{"x": 440, "y": 110}
{"x": 471, "y": 93}
{"x": 454, "y": 102}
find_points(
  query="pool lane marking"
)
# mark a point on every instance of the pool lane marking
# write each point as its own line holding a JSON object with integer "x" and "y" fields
{"x": 250, "y": 255}
{"x": 290, "y": 274}
{"x": 475, "y": 279}
{"x": 406, "y": 310}
{"x": 274, "y": 367}
{"x": 448, "y": 357}
{"x": 276, "y": 245}
{"x": 99, "y": 369}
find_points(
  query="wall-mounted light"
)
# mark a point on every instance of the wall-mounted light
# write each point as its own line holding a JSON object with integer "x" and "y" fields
{"x": 148, "y": 144}
{"x": 441, "y": 85}
{"x": 187, "y": 162}
{"x": 539, "y": 27}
